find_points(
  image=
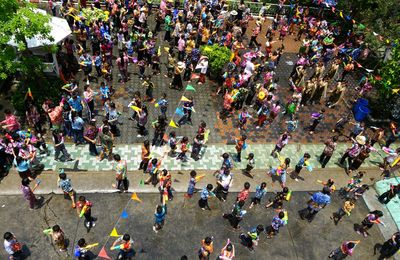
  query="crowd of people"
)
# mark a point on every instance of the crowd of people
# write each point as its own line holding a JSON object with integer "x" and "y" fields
{"x": 248, "y": 88}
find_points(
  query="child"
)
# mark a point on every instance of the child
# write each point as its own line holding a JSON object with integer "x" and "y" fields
{"x": 236, "y": 215}
{"x": 243, "y": 116}
{"x": 207, "y": 248}
{"x": 105, "y": 92}
{"x": 250, "y": 165}
{"x": 369, "y": 220}
{"x": 172, "y": 141}
{"x": 184, "y": 148}
{"x": 149, "y": 89}
{"x": 252, "y": 237}
{"x": 84, "y": 208}
{"x": 302, "y": 162}
{"x": 292, "y": 124}
{"x": 348, "y": 206}
{"x": 124, "y": 243}
{"x": 282, "y": 142}
{"x": 260, "y": 193}
{"x": 165, "y": 184}
{"x": 152, "y": 169}
{"x": 66, "y": 186}
{"x": 205, "y": 194}
{"x": 280, "y": 172}
{"x": 58, "y": 237}
{"x": 277, "y": 202}
{"x": 192, "y": 183}
{"x": 346, "y": 249}
{"x": 277, "y": 222}
{"x": 240, "y": 144}
{"x": 244, "y": 194}
{"x": 82, "y": 250}
{"x": 163, "y": 104}
{"x": 317, "y": 118}
{"x": 228, "y": 251}
{"x": 159, "y": 214}
{"x": 121, "y": 169}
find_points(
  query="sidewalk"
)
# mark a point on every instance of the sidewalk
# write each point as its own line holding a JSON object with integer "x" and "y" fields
{"x": 100, "y": 182}
{"x": 211, "y": 159}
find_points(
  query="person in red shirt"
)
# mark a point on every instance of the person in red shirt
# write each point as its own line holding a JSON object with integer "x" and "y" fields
{"x": 184, "y": 148}
{"x": 84, "y": 208}
{"x": 244, "y": 194}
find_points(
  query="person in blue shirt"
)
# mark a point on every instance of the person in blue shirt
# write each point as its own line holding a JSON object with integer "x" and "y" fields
{"x": 318, "y": 201}
{"x": 301, "y": 164}
{"x": 97, "y": 63}
{"x": 160, "y": 214}
{"x": 163, "y": 104}
{"x": 76, "y": 104}
{"x": 77, "y": 127}
{"x": 22, "y": 165}
{"x": 277, "y": 222}
{"x": 205, "y": 194}
{"x": 261, "y": 190}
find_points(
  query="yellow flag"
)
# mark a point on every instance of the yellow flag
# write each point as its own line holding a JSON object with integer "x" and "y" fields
{"x": 114, "y": 233}
{"x": 137, "y": 109}
{"x": 184, "y": 99}
{"x": 341, "y": 14}
{"x": 172, "y": 123}
{"x": 135, "y": 197}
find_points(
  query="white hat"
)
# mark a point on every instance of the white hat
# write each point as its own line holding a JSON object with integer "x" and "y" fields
{"x": 181, "y": 65}
{"x": 361, "y": 139}
{"x": 233, "y": 13}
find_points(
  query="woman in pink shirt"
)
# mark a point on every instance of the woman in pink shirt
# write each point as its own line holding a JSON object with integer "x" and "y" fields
{"x": 10, "y": 122}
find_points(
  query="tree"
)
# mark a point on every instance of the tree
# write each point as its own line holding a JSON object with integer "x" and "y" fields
{"x": 381, "y": 18}
{"x": 19, "y": 22}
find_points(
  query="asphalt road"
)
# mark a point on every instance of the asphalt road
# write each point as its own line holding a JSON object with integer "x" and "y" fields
{"x": 185, "y": 226}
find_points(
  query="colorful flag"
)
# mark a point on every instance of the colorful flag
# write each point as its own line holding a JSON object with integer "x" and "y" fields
{"x": 184, "y": 99}
{"x": 190, "y": 87}
{"x": 114, "y": 233}
{"x": 172, "y": 123}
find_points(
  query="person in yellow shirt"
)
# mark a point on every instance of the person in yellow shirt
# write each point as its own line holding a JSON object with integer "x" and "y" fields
{"x": 348, "y": 206}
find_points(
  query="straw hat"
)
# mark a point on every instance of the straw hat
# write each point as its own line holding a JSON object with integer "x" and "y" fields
{"x": 361, "y": 139}
{"x": 233, "y": 13}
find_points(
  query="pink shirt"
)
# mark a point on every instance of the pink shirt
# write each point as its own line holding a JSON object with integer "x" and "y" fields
{"x": 12, "y": 123}
{"x": 181, "y": 45}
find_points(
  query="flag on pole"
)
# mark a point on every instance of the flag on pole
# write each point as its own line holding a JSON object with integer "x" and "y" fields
{"x": 179, "y": 111}
{"x": 114, "y": 233}
{"x": 103, "y": 254}
{"x": 190, "y": 87}
{"x": 184, "y": 99}
{"x": 172, "y": 123}
{"x": 124, "y": 214}
{"x": 135, "y": 197}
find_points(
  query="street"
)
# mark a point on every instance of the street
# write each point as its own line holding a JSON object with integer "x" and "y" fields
{"x": 186, "y": 225}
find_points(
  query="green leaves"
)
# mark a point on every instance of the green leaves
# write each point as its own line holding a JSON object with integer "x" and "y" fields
{"x": 218, "y": 56}
{"x": 19, "y": 22}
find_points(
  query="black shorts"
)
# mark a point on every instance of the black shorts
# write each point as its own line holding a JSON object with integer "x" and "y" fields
{"x": 256, "y": 200}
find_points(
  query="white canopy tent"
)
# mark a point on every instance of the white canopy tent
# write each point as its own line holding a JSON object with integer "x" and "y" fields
{"x": 59, "y": 30}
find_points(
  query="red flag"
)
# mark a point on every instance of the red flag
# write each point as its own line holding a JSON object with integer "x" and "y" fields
{"x": 103, "y": 254}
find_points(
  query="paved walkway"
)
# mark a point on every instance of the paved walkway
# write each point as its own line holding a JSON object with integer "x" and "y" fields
{"x": 211, "y": 159}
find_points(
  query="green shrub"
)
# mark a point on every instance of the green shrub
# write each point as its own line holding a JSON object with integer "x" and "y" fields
{"x": 218, "y": 57}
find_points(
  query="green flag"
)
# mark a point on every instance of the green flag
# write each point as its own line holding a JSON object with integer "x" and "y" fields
{"x": 190, "y": 87}
{"x": 141, "y": 183}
